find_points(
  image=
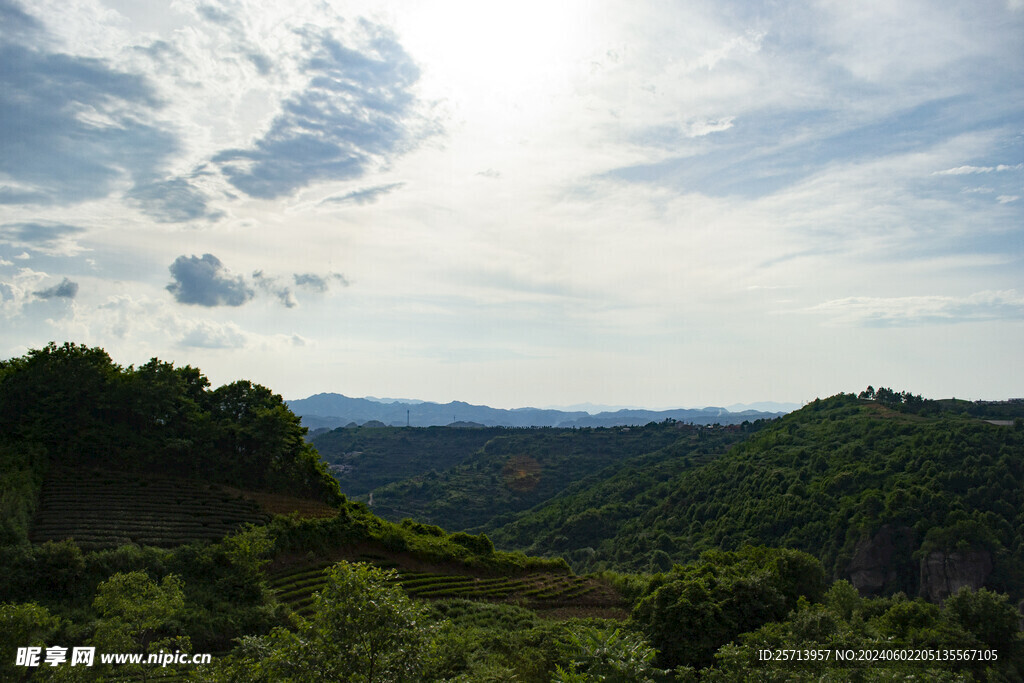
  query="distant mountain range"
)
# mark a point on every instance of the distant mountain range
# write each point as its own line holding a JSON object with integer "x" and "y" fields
{"x": 336, "y": 410}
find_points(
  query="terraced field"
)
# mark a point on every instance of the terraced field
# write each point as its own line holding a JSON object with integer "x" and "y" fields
{"x": 104, "y": 509}
{"x": 538, "y": 591}
{"x": 280, "y": 504}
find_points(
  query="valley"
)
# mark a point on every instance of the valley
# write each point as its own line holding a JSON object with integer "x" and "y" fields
{"x": 669, "y": 550}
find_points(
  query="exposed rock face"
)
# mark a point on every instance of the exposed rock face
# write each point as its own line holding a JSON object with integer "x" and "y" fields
{"x": 882, "y": 564}
{"x": 944, "y": 573}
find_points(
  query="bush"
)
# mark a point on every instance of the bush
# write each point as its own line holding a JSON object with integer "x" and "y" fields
{"x": 481, "y": 545}
{"x": 363, "y": 628}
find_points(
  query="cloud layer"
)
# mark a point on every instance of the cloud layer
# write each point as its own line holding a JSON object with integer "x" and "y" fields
{"x": 924, "y": 310}
{"x": 565, "y": 202}
{"x": 357, "y": 111}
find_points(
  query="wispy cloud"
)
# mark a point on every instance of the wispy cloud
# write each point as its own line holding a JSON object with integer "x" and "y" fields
{"x": 73, "y": 127}
{"x": 43, "y": 237}
{"x": 357, "y": 112}
{"x": 38, "y": 233}
{"x": 973, "y": 170}
{"x": 270, "y": 284}
{"x": 923, "y": 310}
{"x": 319, "y": 283}
{"x": 173, "y": 200}
{"x": 365, "y": 196}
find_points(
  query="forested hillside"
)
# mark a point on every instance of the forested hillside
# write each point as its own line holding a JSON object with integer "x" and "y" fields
{"x": 889, "y": 498}
{"x": 115, "y": 536}
{"x": 140, "y": 515}
{"x": 365, "y": 458}
{"x": 518, "y": 469}
{"x": 81, "y": 408}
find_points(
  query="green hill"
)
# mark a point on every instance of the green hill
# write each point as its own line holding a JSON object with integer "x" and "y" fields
{"x": 363, "y": 459}
{"x": 82, "y": 409}
{"x": 888, "y": 498}
{"x": 144, "y": 512}
{"x": 518, "y": 469}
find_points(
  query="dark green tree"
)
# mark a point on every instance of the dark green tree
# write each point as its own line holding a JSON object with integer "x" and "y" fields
{"x": 64, "y": 397}
{"x": 703, "y": 605}
{"x": 364, "y": 629}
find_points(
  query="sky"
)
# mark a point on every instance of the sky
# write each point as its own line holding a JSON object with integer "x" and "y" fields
{"x": 539, "y": 203}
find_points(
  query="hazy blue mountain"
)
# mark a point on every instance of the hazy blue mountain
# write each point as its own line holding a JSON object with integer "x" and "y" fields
{"x": 768, "y": 406}
{"x": 384, "y": 399}
{"x": 336, "y": 410}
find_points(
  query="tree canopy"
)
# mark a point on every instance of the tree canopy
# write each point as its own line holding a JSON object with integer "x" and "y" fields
{"x": 84, "y": 409}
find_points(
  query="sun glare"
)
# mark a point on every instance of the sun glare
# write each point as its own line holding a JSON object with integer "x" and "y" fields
{"x": 503, "y": 55}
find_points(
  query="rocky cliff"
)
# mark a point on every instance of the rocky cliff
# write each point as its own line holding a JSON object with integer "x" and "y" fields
{"x": 882, "y": 564}
{"x": 945, "y": 572}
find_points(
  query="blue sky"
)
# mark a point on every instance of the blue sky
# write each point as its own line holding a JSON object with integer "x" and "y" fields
{"x": 540, "y": 203}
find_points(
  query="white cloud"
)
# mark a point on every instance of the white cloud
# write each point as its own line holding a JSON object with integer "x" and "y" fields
{"x": 923, "y": 310}
{"x": 210, "y": 335}
{"x": 699, "y": 128}
{"x": 653, "y": 181}
{"x": 45, "y": 237}
{"x": 16, "y": 292}
{"x": 966, "y": 170}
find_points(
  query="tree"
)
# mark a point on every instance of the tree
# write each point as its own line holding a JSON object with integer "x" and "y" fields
{"x": 704, "y": 605}
{"x": 609, "y": 655}
{"x": 990, "y": 618}
{"x": 23, "y": 625}
{"x": 165, "y": 407}
{"x": 364, "y": 629}
{"x": 264, "y": 444}
{"x": 139, "y": 615}
{"x": 61, "y": 397}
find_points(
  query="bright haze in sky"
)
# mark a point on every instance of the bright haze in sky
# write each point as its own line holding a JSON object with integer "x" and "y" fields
{"x": 531, "y": 203}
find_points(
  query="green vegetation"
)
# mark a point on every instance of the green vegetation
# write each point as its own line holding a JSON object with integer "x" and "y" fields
{"x": 105, "y": 509}
{"x": 741, "y": 529}
{"x": 515, "y": 471}
{"x": 584, "y": 522}
{"x": 136, "y": 614}
{"x": 843, "y": 479}
{"x": 81, "y": 408}
{"x": 361, "y": 629}
{"x": 609, "y": 654}
{"x": 696, "y": 609}
{"x": 365, "y": 458}
{"x": 981, "y": 623}
{"x": 297, "y": 587}
{"x": 22, "y": 470}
